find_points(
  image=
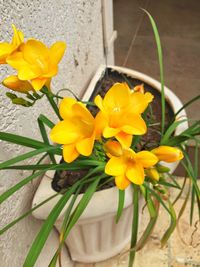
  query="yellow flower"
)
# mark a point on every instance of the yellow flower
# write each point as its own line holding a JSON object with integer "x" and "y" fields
{"x": 13, "y": 83}
{"x": 77, "y": 130}
{"x": 36, "y": 62}
{"x": 153, "y": 174}
{"x": 168, "y": 153}
{"x": 129, "y": 166}
{"x": 120, "y": 113}
{"x": 7, "y": 49}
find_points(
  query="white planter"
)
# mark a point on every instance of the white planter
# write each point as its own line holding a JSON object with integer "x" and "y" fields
{"x": 96, "y": 236}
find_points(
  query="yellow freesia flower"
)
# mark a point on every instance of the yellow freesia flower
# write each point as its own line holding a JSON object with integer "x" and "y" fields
{"x": 77, "y": 130}
{"x": 168, "y": 153}
{"x": 129, "y": 166}
{"x": 120, "y": 113}
{"x": 36, "y": 62}
{"x": 7, "y": 49}
{"x": 13, "y": 83}
{"x": 153, "y": 174}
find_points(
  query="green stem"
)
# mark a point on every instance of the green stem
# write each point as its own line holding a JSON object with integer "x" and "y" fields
{"x": 134, "y": 224}
{"x": 50, "y": 98}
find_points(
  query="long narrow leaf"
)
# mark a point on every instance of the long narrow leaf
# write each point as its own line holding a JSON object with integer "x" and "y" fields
{"x": 19, "y": 185}
{"x": 134, "y": 225}
{"x": 187, "y": 104}
{"x": 160, "y": 59}
{"x": 45, "y": 137}
{"x": 8, "y": 226}
{"x": 120, "y": 204}
{"x": 171, "y": 227}
{"x": 21, "y": 140}
{"x": 170, "y": 131}
{"x": 153, "y": 212}
{"x": 46, "y": 228}
{"x": 30, "y": 154}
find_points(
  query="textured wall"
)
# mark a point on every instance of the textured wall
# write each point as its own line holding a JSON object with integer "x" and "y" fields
{"x": 79, "y": 23}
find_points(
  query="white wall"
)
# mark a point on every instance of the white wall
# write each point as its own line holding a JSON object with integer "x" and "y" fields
{"x": 79, "y": 23}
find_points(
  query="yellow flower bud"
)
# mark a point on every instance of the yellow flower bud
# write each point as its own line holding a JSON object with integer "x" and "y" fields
{"x": 113, "y": 148}
{"x": 139, "y": 88}
{"x": 13, "y": 83}
{"x": 168, "y": 153}
{"x": 153, "y": 174}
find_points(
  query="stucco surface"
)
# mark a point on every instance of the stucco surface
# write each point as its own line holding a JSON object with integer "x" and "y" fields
{"x": 79, "y": 23}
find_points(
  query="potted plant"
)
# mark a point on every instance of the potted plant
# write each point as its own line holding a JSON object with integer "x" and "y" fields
{"x": 107, "y": 154}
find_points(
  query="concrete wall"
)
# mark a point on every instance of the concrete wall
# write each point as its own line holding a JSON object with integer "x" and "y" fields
{"x": 79, "y": 23}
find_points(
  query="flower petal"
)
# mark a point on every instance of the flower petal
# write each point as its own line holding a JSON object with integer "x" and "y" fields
{"x": 38, "y": 83}
{"x": 81, "y": 111}
{"x": 134, "y": 124}
{"x": 124, "y": 139}
{"x": 85, "y": 146}
{"x": 122, "y": 182}
{"x": 5, "y": 50}
{"x": 146, "y": 158}
{"x": 115, "y": 166}
{"x": 57, "y": 51}
{"x": 70, "y": 153}
{"x": 18, "y": 37}
{"x": 36, "y": 53}
{"x": 16, "y": 60}
{"x": 65, "y": 107}
{"x": 65, "y": 132}
{"x": 99, "y": 102}
{"x": 118, "y": 96}
{"x": 110, "y": 132}
{"x": 140, "y": 101}
{"x": 101, "y": 121}
{"x": 135, "y": 173}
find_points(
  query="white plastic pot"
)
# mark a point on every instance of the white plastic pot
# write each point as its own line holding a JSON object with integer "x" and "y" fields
{"x": 96, "y": 236}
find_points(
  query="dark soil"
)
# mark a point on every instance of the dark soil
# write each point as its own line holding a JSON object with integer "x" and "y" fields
{"x": 65, "y": 179}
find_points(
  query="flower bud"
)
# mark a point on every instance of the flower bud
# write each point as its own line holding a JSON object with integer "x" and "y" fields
{"x": 168, "y": 153}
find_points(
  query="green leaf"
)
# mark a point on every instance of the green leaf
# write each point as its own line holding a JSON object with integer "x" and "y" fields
{"x": 153, "y": 212}
{"x": 181, "y": 191}
{"x": 187, "y": 104}
{"x": 21, "y": 140}
{"x": 120, "y": 204}
{"x": 156, "y": 196}
{"x": 76, "y": 165}
{"x": 46, "y": 228}
{"x": 160, "y": 59}
{"x": 45, "y": 136}
{"x": 82, "y": 205}
{"x": 170, "y": 131}
{"x": 30, "y": 154}
{"x": 46, "y": 121}
{"x": 19, "y": 185}
{"x": 68, "y": 211}
{"x": 134, "y": 225}
{"x": 171, "y": 227}
{"x": 64, "y": 226}
{"x": 8, "y": 226}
